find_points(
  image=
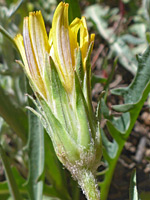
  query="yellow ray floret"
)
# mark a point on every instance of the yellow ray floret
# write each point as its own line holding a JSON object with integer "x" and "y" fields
{"x": 19, "y": 42}
{"x": 84, "y": 40}
{"x": 73, "y": 31}
{"x": 62, "y": 45}
{"x": 38, "y": 37}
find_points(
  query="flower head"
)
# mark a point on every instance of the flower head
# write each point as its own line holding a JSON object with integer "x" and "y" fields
{"x": 62, "y": 46}
{"x": 59, "y": 72}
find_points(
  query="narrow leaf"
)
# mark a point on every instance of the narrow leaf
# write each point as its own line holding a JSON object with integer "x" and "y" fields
{"x": 13, "y": 188}
{"x": 4, "y": 189}
{"x": 7, "y": 35}
{"x": 36, "y": 157}
{"x": 13, "y": 115}
{"x": 96, "y": 79}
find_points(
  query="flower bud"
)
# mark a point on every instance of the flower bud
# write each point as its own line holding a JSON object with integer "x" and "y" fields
{"x": 59, "y": 72}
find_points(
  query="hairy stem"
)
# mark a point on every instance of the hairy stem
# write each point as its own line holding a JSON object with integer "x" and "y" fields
{"x": 89, "y": 186}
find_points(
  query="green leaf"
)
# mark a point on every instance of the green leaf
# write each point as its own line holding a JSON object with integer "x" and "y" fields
{"x": 36, "y": 157}
{"x": 120, "y": 127}
{"x": 115, "y": 133}
{"x": 4, "y": 190}
{"x": 13, "y": 115}
{"x": 96, "y": 79}
{"x": 133, "y": 193}
{"x": 125, "y": 55}
{"x": 123, "y": 108}
{"x": 8, "y": 36}
{"x": 13, "y": 188}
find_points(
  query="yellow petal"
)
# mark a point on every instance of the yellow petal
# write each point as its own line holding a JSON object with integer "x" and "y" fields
{"x": 19, "y": 42}
{"x": 50, "y": 41}
{"x": 61, "y": 44}
{"x": 31, "y": 59}
{"x": 84, "y": 40}
{"x": 38, "y": 37}
{"x": 73, "y": 32}
{"x": 92, "y": 38}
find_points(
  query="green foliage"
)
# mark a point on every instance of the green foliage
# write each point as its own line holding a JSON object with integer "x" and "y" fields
{"x": 9, "y": 175}
{"x": 4, "y": 189}
{"x": 36, "y": 157}
{"x": 8, "y": 111}
{"x": 119, "y": 128}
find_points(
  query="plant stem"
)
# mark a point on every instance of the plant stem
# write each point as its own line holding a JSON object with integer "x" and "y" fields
{"x": 105, "y": 186}
{"x": 88, "y": 184}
